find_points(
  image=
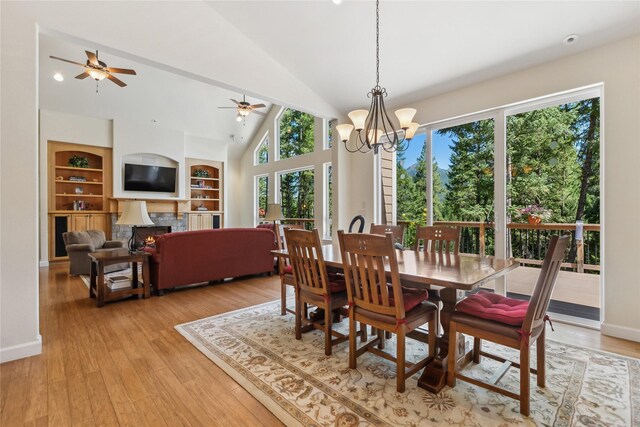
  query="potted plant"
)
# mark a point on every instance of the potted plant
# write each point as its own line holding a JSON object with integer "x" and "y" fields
{"x": 200, "y": 173}
{"x": 78, "y": 162}
{"x": 535, "y": 214}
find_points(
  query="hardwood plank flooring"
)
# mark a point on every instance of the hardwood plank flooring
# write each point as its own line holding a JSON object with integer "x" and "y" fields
{"x": 124, "y": 364}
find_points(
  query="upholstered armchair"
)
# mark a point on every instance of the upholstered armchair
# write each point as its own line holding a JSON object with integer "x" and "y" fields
{"x": 80, "y": 244}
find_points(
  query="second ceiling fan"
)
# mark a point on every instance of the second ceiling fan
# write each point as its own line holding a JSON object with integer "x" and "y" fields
{"x": 243, "y": 108}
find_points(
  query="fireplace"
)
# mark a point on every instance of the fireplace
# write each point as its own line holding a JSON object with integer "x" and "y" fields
{"x": 146, "y": 234}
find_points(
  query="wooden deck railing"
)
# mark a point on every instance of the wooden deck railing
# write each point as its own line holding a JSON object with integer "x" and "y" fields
{"x": 529, "y": 242}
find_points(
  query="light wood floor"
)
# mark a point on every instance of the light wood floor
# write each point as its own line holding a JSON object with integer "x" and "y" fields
{"x": 125, "y": 364}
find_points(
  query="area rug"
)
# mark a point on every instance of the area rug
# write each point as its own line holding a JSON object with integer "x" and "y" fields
{"x": 303, "y": 387}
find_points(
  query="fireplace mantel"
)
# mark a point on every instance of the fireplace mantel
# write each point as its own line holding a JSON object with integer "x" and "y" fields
{"x": 177, "y": 206}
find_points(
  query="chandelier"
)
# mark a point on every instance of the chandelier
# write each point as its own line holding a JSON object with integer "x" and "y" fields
{"x": 374, "y": 128}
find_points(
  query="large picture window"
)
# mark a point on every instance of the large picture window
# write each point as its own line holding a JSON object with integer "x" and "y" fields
{"x": 261, "y": 196}
{"x": 296, "y": 133}
{"x": 262, "y": 151}
{"x": 296, "y": 194}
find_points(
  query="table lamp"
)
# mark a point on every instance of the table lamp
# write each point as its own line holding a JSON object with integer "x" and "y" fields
{"x": 134, "y": 214}
{"x": 274, "y": 213}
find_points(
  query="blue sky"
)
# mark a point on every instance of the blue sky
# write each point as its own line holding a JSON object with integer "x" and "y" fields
{"x": 441, "y": 150}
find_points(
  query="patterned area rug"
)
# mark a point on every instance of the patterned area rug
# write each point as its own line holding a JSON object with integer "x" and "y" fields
{"x": 301, "y": 386}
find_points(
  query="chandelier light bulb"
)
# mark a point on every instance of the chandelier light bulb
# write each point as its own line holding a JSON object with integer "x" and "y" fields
{"x": 405, "y": 115}
{"x": 345, "y": 131}
{"x": 410, "y": 132}
{"x": 358, "y": 117}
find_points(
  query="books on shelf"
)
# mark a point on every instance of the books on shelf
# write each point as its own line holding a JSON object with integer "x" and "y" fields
{"x": 118, "y": 282}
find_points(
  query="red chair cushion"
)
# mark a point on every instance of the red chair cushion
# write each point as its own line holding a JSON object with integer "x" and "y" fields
{"x": 288, "y": 269}
{"x": 490, "y": 306}
{"x": 410, "y": 297}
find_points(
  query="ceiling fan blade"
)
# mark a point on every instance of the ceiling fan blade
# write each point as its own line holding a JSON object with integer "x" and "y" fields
{"x": 260, "y": 113}
{"x": 82, "y": 76}
{"x": 121, "y": 70}
{"x": 92, "y": 57}
{"x": 257, "y": 106}
{"x": 66, "y": 60}
{"x": 236, "y": 102}
{"x": 116, "y": 80}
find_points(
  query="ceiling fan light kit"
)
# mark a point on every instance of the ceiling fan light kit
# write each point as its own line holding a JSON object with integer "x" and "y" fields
{"x": 243, "y": 108}
{"x": 374, "y": 127}
{"x": 98, "y": 70}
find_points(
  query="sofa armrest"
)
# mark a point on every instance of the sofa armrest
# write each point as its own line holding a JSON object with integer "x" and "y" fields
{"x": 80, "y": 247}
{"x": 113, "y": 244}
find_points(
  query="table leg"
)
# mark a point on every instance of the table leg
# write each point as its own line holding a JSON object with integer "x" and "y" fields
{"x": 145, "y": 278}
{"x": 92, "y": 282}
{"x": 101, "y": 286}
{"x": 434, "y": 376}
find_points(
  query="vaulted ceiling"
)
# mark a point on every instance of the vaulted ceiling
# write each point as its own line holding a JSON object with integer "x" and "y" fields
{"x": 311, "y": 55}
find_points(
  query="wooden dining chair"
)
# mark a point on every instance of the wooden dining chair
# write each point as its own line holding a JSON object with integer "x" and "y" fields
{"x": 439, "y": 239}
{"x": 313, "y": 286}
{"x": 387, "y": 307}
{"x": 509, "y": 322}
{"x": 285, "y": 271}
{"x": 396, "y": 230}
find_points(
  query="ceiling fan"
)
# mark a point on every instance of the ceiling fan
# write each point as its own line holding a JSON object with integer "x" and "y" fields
{"x": 98, "y": 70}
{"x": 243, "y": 108}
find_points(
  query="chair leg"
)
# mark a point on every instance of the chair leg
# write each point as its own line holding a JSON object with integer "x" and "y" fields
{"x": 541, "y": 358}
{"x": 525, "y": 375}
{"x": 452, "y": 355}
{"x": 298, "y": 318}
{"x": 380, "y": 334}
{"x": 363, "y": 331}
{"x": 400, "y": 359}
{"x": 283, "y": 299}
{"x": 353, "y": 338}
{"x": 328, "y": 318}
{"x": 433, "y": 336}
{"x": 477, "y": 348}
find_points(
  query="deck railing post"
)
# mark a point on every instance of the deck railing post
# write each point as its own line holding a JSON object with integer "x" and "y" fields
{"x": 579, "y": 247}
{"x": 482, "y": 240}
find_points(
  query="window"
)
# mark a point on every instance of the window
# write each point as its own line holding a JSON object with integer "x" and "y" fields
{"x": 261, "y": 197}
{"x": 296, "y": 194}
{"x": 328, "y": 201}
{"x": 330, "y": 125}
{"x": 262, "y": 151}
{"x": 296, "y": 133}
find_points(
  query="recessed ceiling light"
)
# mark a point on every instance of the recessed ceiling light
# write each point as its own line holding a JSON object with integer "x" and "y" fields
{"x": 337, "y": 1}
{"x": 58, "y": 77}
{"x": 570, "y": 39}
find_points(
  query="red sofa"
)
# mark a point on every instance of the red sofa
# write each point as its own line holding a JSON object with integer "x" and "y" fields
{"x": 189, "y": 257}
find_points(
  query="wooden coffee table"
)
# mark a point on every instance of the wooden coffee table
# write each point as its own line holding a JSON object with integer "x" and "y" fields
{"x": 98, "y": 288}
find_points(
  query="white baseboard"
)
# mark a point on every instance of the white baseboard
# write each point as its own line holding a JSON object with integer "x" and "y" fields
{"x": 623, "y": 332}
{"x": 44, "y": 263}
{"x": 21, "y": 351}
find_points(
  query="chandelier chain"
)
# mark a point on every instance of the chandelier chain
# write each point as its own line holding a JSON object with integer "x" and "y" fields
{"x": 377, "y": 42}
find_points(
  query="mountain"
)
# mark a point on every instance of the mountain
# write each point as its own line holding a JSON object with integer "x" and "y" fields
{"x": 444, "y": 173}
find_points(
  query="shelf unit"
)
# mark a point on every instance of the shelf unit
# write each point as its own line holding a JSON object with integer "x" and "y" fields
{"x": 205, "y": 194}
{"x": 76, "y": 205}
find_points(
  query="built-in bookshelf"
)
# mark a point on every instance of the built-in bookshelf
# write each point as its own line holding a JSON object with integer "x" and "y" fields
{"x": 205, "y": 193}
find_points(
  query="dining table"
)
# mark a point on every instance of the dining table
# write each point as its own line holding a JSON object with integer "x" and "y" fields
{"x": 448, "y": 278}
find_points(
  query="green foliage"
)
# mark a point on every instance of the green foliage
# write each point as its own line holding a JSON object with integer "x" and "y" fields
{"x": 296, "y": 190}
{"x": 262, "y": 155}
{"x": 296, "y": 133}
{"x": 78, "y": 162}
{"x": 263, "y": 194}
{"x": 200, "y": 173}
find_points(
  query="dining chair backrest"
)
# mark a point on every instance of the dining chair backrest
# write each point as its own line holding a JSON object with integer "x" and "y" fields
{"x": 539, "y": 302}
{"x": 305, "y": 253}
{"x": 280, "y": 233}
{"x": 396, "y": 230}
{"x": 364, "y": 257}
{"x": 439, "y": 239}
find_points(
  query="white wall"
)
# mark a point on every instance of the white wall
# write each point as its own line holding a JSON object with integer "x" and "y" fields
{"x": 617, "y": 65}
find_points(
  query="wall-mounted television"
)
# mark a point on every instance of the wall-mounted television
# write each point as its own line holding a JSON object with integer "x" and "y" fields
{"x": 149, "y": 178}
